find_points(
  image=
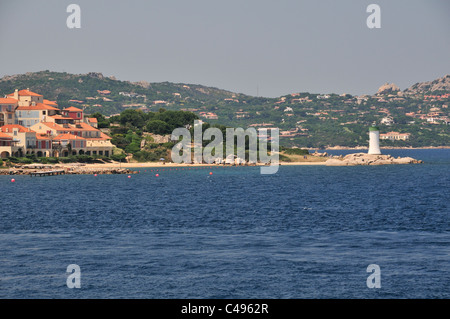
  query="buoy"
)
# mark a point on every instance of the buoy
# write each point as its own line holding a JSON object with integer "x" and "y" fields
{"x": 157, "y": 175}
{"x": 13, "y": 180}
{"x": 95, "y": 174}
{"x": 210, "y": 173}
{"x": 129, "y": 176}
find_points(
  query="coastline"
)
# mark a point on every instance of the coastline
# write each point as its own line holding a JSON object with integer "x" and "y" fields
{"x": 362, "y": 148}
{"x": 175, "y": 165}
{"x": 133, "y": 167}
{"x": 118, "y": 168}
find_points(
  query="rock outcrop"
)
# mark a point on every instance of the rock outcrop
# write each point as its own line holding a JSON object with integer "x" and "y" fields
{"x": 441, "y": 84}
{"x": 388, "y": 88}
{"x": 368, "y": 159}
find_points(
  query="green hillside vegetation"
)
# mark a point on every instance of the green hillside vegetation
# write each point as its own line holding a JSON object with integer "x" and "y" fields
{"x": 311, "y": 120}
{"x": 129, "y": 129}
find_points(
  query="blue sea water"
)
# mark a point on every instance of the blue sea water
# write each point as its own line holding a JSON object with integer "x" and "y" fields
{"x": 305, "y": 232}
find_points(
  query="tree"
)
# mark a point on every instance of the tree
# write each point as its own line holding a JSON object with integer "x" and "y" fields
{"x": 101, "y": 120}
{"x": 158, "y": 127}
{"x": 135, "y": 118}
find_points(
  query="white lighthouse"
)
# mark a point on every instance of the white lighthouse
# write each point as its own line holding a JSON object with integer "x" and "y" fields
{"x": 374, "y": 140}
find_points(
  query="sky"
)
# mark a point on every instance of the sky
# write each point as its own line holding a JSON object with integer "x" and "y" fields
{"x": 256, "y": 47}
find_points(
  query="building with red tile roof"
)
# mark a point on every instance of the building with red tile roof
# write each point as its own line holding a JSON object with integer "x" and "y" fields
{"x": 25, "y": 138}
{"x": 36, "y": 125}
{"x": 7, "y": 110}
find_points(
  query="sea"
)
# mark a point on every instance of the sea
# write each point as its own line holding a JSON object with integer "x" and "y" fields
{"x": 306, "y": 232}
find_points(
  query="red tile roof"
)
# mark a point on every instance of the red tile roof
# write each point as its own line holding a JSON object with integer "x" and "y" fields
{"x": 60, "y": 117}
{"x": 5, "y": 136}
{"x": 102, "y": 137}
{"x": 7, "y": 101}
{"x": 43, "y": 137}
{"x": 25, "y": 93}
{"x": 72, "y": 109}
{"x": 86, "y": 127}
{"x": 38, "y": 106}
{"x": 68, "y": 137}
{"x": 48, "y": 102}
{"x": 53, "y": 126}
{"x": 93, "y": 120}
{"x": 9, "y": 128}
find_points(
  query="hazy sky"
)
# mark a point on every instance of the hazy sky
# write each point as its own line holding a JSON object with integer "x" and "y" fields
{"x": 278, "y": 46}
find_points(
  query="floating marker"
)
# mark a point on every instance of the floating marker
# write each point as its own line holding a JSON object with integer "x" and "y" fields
{"x": 210, "y": 173}
{"x": 129, "y": 176}
{"x": 157, "y": 175}
{"x": 13, "y": 180}
{"x": 95, "y": 174}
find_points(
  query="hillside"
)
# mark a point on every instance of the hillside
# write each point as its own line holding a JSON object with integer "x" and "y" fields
{"x": 305, "y": 119}
{"x": 91, "y": 91}
{"x": 441, "y": 85}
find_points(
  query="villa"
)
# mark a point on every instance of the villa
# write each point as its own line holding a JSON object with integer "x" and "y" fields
{"x": 29, "y": 124}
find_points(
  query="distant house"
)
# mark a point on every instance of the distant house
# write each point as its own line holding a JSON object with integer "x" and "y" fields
{"x": 24, "y": 137}
{"x": 387, "y": 121}
{"x": 92, "y": 121}
{"x": 209, "y": 115}
{"x": 104, "y": 92}
{"x": 7, "y": 110}
{"x": 74, "y": 113}
{"x": 395, "y": 136}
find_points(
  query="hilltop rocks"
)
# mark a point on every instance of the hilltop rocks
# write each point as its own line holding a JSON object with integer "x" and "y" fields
{"x": 96, "y": 75}
{"x": 388, "y": 88}
{"x": 368, "y": 159}
{"x": 143, "y": 84}
{"x": 441, "y": 84}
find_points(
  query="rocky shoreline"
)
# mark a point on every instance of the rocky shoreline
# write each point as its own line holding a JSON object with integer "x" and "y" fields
{"x": 369, "y": 159}
{"x": 69, "y": 170}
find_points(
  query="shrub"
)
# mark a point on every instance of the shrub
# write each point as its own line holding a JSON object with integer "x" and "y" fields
{"x": 13, "y": 159}
{"x": 84, "y": 159}
{"x": 52, "y": 160}
{"x": 284, "y": 158}
{"x": 118, "y": 157}
{"x": 66, "y": 159}
{"x": 25, "y": 160}
{"x": 296, "y": 151}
